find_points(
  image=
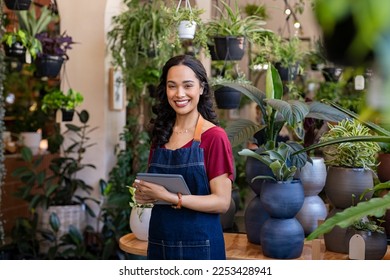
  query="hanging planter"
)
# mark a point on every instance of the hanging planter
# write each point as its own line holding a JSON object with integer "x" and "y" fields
{"x": 187, "y": 29}
{"x": 16, "y": 50}
{"x": 229, "y": 47}
{"x": 227, "y": 98}
{"x": 18, "y": 5}
{"x": 48, "y": 66}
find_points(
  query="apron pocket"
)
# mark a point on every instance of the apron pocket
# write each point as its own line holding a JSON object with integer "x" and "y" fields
{"x": 178, "y": 250}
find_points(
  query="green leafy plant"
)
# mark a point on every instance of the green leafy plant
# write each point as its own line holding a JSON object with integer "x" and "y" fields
{"x": 368, "y": 225}
{"x": 230, "y": 22}
{"x": 276, "y": 112}
{"x": 278, "y": 160}
{"x": 192, "y": 14}
{"x": 140, "y": 44}
{"x": 59, "y": 184}
{"x": 32, "y": 24}
{"x": 350, "y": 154}
{"x": 57, "y": 99}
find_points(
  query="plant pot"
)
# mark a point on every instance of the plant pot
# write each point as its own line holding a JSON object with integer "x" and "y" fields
{"x": 344, "y": 186}
{"x": 227, "y": 219}
{"x": 139, "y": 222}
{"x": 31, "y": 140}
{"x": 212, "y": 51}
{"x": 186, "y": 29}
{"x": 48, "y": 66}
{"x": 287, "y": 73}
{"x": 383, "y": 167}
{"x": 254, "y": 217}
{"x": 331, "y": 74}
{"x": 67, "y": 115}
{"x": 18, "y": 5}
{"x": 17, "y": 50}
{"x": 227, "y": 98}
{"x": 68, "y": 215}
{"x": 366, "y": 244}
{"x": 230, "y": 47}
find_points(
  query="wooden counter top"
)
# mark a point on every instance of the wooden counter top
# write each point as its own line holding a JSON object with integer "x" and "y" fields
{"x": 239, "y": 248}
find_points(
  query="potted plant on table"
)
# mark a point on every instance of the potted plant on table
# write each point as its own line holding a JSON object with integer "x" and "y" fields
{"x": 282, "y": 196}
{"x": 230, "y": 31}
{"x": 58, "y": 100}
{"x": 139, "y": 217}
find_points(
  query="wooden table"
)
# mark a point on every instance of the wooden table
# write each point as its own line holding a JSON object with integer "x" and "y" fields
{"x": 239, "y": 248}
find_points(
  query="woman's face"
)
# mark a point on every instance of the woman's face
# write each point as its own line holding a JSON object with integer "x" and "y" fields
{"x": 183, "y": 89}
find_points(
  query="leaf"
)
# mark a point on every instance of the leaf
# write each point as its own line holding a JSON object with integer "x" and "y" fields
{"x": 55, "y": 222}
{"x": 241, "y": 130}
{"x": 319, "y": 110}
{"x": 373, "y": 207}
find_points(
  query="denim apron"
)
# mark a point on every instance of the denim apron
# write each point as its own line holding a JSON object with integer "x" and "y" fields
{"x": 184, "y": 234}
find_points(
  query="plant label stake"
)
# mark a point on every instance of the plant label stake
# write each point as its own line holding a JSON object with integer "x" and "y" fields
{"x": 357, "y": 247}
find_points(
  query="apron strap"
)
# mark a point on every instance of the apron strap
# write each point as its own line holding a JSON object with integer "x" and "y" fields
{"x": 198, "y": 129}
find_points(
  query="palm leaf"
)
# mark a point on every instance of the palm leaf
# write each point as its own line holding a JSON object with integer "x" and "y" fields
{"x": 373, "y": 207}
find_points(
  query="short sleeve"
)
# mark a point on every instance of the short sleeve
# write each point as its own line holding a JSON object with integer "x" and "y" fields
{"x": 218, "y": 154}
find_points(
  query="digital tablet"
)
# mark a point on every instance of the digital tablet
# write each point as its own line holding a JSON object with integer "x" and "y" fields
{"x": 172, "y": 182}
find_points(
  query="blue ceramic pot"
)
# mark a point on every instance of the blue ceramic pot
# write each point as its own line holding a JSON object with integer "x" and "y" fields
{"x": 255, "y": 217}
{"x": 282, "y": 238}
{"x": 282, "y": 200}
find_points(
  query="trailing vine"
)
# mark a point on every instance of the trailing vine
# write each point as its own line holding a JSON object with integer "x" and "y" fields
{"x": 2, "y": 127}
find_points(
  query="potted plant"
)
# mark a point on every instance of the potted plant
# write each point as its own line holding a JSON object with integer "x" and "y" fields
{"x": 230, "y": 30}
{"x": 187, "y": 25}
{"x": 366, "y": 239}
{"x": 282, "y": 196}
{"x": 139, "y": 216}
{"x": 58, "y": 189}
{"x": 53, "y": 53}
{"x": 32, "y": 25}
{"x": 67, "y": 103}
{"x": 15, "y": 44}
{"x": 227, "y": 97}
{"x": 17, "y": 5}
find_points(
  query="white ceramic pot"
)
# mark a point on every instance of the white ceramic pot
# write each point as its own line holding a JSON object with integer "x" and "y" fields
{"x": 187, "y": 29}
{"x": 31, "y": 140}
{"x": 139, "y": 222}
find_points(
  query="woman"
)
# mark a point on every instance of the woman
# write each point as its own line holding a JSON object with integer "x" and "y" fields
{"x": 186, "y": 140}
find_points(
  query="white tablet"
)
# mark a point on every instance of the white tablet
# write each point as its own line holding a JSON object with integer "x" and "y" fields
{"x": 172, "y": 182}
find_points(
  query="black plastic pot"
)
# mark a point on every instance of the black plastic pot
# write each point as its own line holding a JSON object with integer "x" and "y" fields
{"x": 18, "y": 5}
{"x": 227, "y": 98}
{"x": 16, "y": 50}
{"x": 48, "y": 66}
{"x": 229, "y": 48}
{"x": 67, "y": 115}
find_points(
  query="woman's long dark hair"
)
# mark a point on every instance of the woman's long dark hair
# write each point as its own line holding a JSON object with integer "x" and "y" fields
{"x": 165, "y": 115}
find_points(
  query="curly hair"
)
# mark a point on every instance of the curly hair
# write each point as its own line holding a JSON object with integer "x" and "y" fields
{"x": 165, "y": 116}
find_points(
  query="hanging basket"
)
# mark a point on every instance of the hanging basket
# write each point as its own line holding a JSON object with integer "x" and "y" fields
{"x": 16, "y": 50}
{"x": 187, "y": 29}
{"x": 48, "y": 66}
{"x": 227, "y": 98}
{"x": 230, "y": 47}
{"x": 18, "y": 5}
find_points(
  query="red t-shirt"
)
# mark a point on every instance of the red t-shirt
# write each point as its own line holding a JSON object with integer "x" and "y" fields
{"x": 218, "y": 154}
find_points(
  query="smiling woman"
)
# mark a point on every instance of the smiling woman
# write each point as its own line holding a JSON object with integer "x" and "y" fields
{"x": 186, "y": 140}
